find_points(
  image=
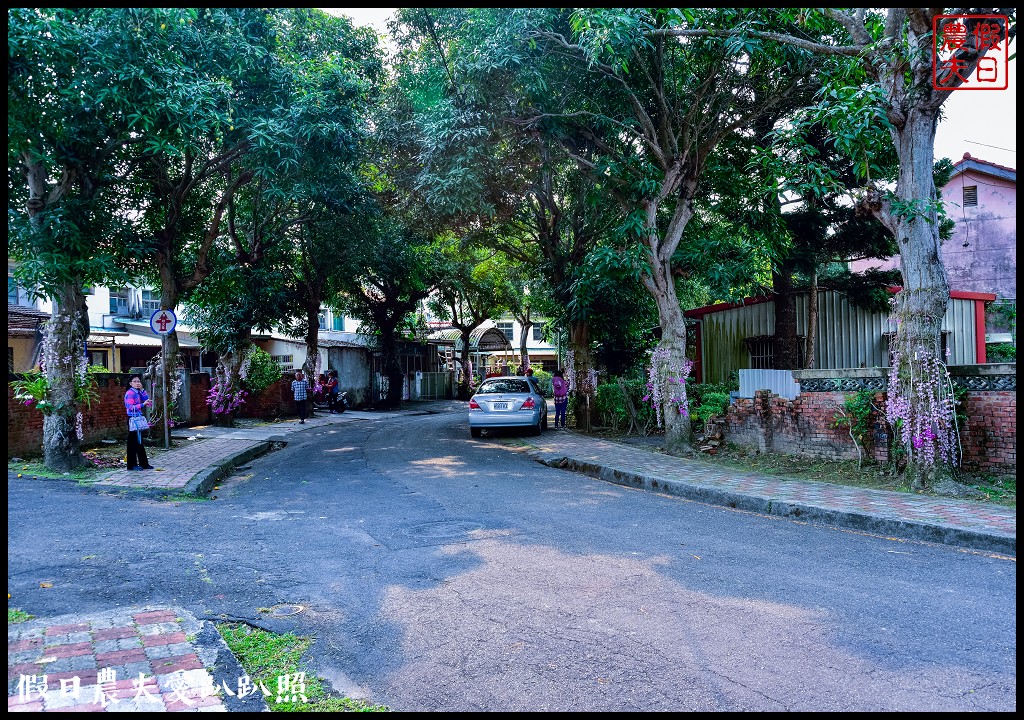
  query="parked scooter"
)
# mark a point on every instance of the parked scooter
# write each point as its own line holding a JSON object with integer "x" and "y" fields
{"x": 342, "y": 404}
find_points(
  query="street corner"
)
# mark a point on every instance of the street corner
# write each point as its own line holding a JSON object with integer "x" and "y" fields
{"x": 145, "y": 658}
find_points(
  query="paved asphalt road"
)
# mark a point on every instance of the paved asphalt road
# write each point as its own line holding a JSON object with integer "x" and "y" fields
{"x": 443, "y": 573}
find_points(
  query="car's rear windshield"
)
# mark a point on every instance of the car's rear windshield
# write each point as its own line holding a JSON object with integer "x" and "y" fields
{"x": 503, "y": 386}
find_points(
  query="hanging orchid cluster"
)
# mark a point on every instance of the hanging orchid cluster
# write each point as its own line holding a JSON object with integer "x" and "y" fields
{"x": 35, "y": 388}
{"x": 586, "y": 386}
{"x": 175, "y": 381}
{"x": 570, "y": 372}
{"x": 225, "y": 396}
{"x": 662, "y": 376}
{"x": 922, "y": 411}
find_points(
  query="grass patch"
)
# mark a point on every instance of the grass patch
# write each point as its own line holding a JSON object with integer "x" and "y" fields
{"x": 265, "y": 656}
{"x": 100, "y": 461}
{"x": 1001, "y": 490}
{"x": 183, "y": 497}
{"x": 36, "y": 469}
{"x": 980, "y": 487}
{"x": 15, "y": 616}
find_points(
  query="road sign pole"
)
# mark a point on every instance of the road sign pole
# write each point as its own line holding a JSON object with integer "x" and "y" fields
{"x": 163, "y": 374}
{"x": 163, "y": 323}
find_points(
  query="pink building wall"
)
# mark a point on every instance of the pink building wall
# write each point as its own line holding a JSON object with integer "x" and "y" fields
{"x": 982, "y": 254}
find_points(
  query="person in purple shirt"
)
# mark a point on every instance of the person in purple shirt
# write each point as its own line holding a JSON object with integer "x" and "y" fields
{"x": 135, "y": 402}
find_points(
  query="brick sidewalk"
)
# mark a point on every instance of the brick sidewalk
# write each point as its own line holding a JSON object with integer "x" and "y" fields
{"x": 177, "y": 467}
{"x": 921, "y": 517}
{"x": 141, "y": 660}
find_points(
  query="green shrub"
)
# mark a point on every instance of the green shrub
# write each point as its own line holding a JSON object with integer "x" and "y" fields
{"x": 1001, "y": 352}
{"x": 712, "y": 404}
{"x": 708, "y": 399}
{"x": 696, "y": 392}
{"x": 612, "y": 408}
{"x": 543, "y": 380}
{"x": 262, "y": 373}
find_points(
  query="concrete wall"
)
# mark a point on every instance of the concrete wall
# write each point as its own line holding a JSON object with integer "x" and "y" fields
{"x": 354, "y": 372}
{"x": 24, "y": 349}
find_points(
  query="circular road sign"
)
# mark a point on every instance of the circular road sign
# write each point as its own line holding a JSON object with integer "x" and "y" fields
{"x": 163, "y": 322}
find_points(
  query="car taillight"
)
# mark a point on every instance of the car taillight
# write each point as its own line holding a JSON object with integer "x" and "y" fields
{"x": 473, "y": 405}
{"x": 528, "y": 405}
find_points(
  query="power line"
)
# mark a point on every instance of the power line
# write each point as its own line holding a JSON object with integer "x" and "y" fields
{"x": 996, "y": 147}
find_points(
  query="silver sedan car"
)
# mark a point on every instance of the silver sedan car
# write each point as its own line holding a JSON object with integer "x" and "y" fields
{"x": 509, "y": 401}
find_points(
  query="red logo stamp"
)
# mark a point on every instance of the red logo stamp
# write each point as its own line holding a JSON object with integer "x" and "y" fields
{"x": 986, "y": 32}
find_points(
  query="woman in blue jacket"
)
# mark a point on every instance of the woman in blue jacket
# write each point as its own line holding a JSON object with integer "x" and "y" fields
{"x": 135, "y": 401}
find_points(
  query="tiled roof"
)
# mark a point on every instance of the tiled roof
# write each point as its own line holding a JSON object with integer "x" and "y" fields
{"x": 969, "y": 162}
{"x": 23, "y": 320}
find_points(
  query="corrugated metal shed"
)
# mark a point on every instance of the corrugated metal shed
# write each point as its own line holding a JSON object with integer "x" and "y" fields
{"x": 848, "y": 336}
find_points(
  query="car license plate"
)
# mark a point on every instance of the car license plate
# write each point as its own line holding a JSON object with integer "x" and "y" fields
{"x": 501, "y": 406}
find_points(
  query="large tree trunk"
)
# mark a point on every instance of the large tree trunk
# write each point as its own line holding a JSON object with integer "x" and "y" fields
{"x": 64, "y": 358}
{"x": 812, "y": 323}
{"x": 584, "y": 398}
{"x": 785, "y": 351}
{"x": 309, "y": 366}
{"x": 158, "y": 373}
{"x": 678, "y": 429}
{"x": 391, "y": 367}
{"x": 661, "y": 285}
{"x": 525, "y": 324}
{"x": 464, "y": 384}
{"x": 918, "y": 378}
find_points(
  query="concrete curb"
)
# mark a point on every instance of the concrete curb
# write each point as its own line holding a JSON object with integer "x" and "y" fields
{"x": 225, "y": 668}
{"x": 889, "y": 527}
{"x": 202, "y": 483}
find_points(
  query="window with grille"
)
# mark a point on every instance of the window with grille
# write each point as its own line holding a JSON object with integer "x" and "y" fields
{"x": 762, "y": 352}
{"x": 283, "y": 361}
{"x": 119, "y": 301}
{"x": 150, "y": 302}
{"x": 322, "y": 320}
{"x": 970, "y": 195}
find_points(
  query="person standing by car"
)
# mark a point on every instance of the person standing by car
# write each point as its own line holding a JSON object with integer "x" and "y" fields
{"x": 135, "y": 402}
{"x": 300, "y": 390}
{"x": 560, "y": 389}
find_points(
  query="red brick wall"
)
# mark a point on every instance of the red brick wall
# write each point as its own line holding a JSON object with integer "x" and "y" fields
{"x": 806, "y": 426}
{"x": 273, "y": 402}
{"x": 24, "y": 428}
{"x": 105, "y": 418}
{"x": 990, "y": 439}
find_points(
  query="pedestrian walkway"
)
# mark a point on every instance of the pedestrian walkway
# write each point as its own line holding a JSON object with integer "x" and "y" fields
{"x": 963, "y": 523}
{"x": 194, "y": 468}
{"x": 147, "y": 659}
